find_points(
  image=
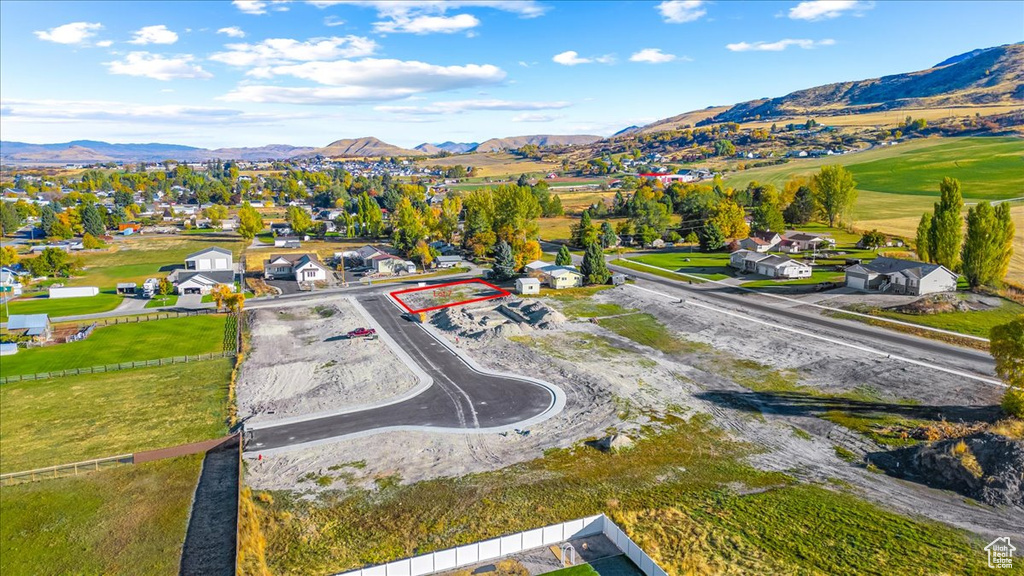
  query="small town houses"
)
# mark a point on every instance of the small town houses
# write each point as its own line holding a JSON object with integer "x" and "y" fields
{"x": 554, "y": 276}
{"x": 770, "y": 265}
{"x": 303, "y": 268}
{"x": 891, "y": 275}
{"x": 204, "y": 270}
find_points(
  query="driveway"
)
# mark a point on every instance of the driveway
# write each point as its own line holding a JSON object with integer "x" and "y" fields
{"x": 285, "y": 286}
{"x": 189, "y": 301}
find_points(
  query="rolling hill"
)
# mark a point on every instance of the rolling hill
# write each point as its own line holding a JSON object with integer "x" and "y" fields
{"x": 453, "y": 147}
{"x": 513, "y": 142}
{"x": 990, "y": 76}
{"x": 366, "y": 147}
{"x": 91, "y": 151}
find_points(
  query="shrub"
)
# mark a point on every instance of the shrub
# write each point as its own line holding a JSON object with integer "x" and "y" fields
{"x": 1013, "y": 402}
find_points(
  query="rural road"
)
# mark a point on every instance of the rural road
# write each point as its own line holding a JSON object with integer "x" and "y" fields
{"x": 459, "y": 398}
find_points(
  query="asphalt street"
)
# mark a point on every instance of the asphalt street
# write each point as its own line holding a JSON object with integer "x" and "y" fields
{"x": 460, "y": 397}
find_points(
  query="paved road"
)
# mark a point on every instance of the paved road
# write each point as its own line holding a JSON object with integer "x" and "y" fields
{"x": 460, "y": 397}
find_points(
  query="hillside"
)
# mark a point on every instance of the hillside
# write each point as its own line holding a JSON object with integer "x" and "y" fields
{"x": 91, "y": 151}
{"x": 513, "y": 142}
{"x": 453, "y": 147}
{"x": 366, "y": 147}
{"x": 680, "y": 120}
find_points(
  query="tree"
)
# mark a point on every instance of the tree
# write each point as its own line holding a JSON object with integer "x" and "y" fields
{"x": 593, "y": 268}
{"x": 250, "y": 223}
{"x": 8, "y": 256}
{"x": 711, "y": 237}
{"x": 767, "y": 215}
{"x": 725, "y": 148}
{"x": 422, "y": 253}
{"x": 299, "y": 220}
{"x": 47, "y": 217}
{"x": 946, "y": 236}
{"x": 216, "y": 213}
{"x": 608, "y": 236}
{"x": 220, "y": 293}
{"x": 564, "y": 257}
{"x": 923, "y": 240}
{"x": 803, "y": 207}
{"x": 1005, "y": 239}
{"x": 873, "y": 240}
{"x": 61, "y": 229}
{"x": 835, "y": 191}
{"x": 90, "y": 242}
{"x": 583, "y": 233}
{"x": 981, "y": 251}
{"x": 52, "y": 262}
{"x": 531, "y": 252}
{"x": 504, "y": 262}
{"x": 10, "y": 219}
{"x": 646, "y": 235}
{"x": 166, "y": 287}
{"x": 92, "y": 220}
{"x": 1006, "y": 344}
{"x": 408, "y": 227}
{"x": 730, "y": 220}
{"x": 448, "y": 218}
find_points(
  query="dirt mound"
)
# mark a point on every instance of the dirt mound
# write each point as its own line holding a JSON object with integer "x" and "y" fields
{"x": 540, "y": 314}
{"x": 519, "y": 317}
{"x": 984, "y": 466}
{"x": 934, "y": 304}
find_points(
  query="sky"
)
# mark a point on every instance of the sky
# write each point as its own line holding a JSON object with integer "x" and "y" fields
{"x": 306, "y": 73}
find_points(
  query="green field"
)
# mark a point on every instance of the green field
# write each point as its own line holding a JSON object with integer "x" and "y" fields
{"x": 974, "y": 323}
{"x": 62, "y": 420}
{"x": 712, "y": 266}
{"x": 105, "y": 301}
{"x": 129, "y": 520}
{"x": 124, "y": 343}
{"x": 668, "y": 491}
{"x": 161, "y": 301}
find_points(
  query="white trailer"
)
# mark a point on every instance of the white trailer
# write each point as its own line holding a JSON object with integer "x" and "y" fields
{"x": 73, "y": 292}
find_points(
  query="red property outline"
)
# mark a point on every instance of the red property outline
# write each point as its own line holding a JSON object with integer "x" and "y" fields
{"x": 501, "y": 294}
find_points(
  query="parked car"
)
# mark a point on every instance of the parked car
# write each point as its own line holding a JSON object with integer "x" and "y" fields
{"x": 362, "y": 333}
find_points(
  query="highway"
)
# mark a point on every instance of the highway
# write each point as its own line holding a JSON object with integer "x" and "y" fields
{"x": 459, "y": 398}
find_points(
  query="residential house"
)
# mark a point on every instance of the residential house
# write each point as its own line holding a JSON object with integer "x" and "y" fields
{"x": 901, "y": 277}
{"x": 808, "y": 241}
{"x": 447, "y": 261}
{"x": 746, "y": 260}
{"x": 10, "y": 286}
{"x": 384, "y": 263}
{"x": 281, "y": 229}
{"x": 213, "y": 258}
{"x": 554, "y": 276}
{"x": 187, "y": 282}
{"x": 761, "y": 241}
{"x": 287, "y": 242}
{"x": 229, "y": 224}
{"x": 782, "y": 267}
{"x": 300, "y": 267}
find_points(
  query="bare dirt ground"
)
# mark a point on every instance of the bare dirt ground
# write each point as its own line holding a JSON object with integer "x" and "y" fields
{"x": 610, "y": 381}
{"x": 302, "y": 363}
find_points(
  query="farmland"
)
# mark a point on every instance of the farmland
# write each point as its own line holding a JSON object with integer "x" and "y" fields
{"x": 492, "y": 163}
{"x": 111, "y": 413}
{"x": 128, "y": 520}
{"x": 124, "y": 343}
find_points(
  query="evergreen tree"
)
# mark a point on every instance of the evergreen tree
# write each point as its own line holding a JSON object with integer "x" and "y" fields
{"x": 593, "y": 268}
{"x": 47, "y": 217}
{"x": 608, "y": 237}
{"x": 504, "y": 262}
{"x": 92, "y": 220}
{"x": 1005, "y": 239}
{"x": 564, "y": 257}
{"x": 801, "y": 210}
{"x": 946, "y": 235}
{"x": 10, "y": 219}
{"x": 980, "y": 252}
{"x": 583, "y": 233}
{"x": 923, "y": 241}
{"x": 711, "y": 237}
{"x": 767, "y": 216}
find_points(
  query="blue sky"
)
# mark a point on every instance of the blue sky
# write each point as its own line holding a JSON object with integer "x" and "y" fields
{"x": 249, "y": 73}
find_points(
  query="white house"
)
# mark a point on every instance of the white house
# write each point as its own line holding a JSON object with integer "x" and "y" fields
{"x": 447, "y": 261}
{"x": 808, "y": 241}
{"x": 301, "y": 267}
{"x": 214, "y": 258}
{"x": 556, "y": 277}
{"x": 527, "y": 286}
{"x": 383, "y": 263}
{"x": 746, "y": 260}
{"x": 901, "y": 277}
{"x": 783, "y": 267}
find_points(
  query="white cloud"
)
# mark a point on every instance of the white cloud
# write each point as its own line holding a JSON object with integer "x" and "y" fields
{"x": 779, "y": 45}
{"x": 257, "y": 7}
{"x": 73, "y": 33}
{"x": 370, "y": 79}
{"x": 573, "y": 58}
{"x": 390, "y": 8}
{"x": 332, "y": 21}
{"x": 273, "y": 51}
{"x": 652, "y": 56}
{"x": 681, "y": 11}
{"x": 459, "y": 106}
{"x": 154, "y": 35}
{"x": 105, "y": 43}
{"x": 826, "y": 9}
{"x": 528, "y": 117}
{"x": 157, "y": 66}
{"x": 232, "y": 31}
{"x": 428, "y": 24}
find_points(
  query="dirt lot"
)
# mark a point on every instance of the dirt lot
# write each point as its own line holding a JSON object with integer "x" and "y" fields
{"x": 302, "y": 363}
{"x": 708, "y": 363}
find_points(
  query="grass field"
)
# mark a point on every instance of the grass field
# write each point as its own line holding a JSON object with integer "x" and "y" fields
{"x": 129, "y": 520}
{"x": 124, "y": 343}
{"x": 974, "y": 323}
{"x": 713, "y": 266}
{"x": 159, "y": 301}
{"x": 492, "y": 164}
{"x": 668, "y": 492}
{"x": 105, "y": 301}
{"x": 62, "y": 420}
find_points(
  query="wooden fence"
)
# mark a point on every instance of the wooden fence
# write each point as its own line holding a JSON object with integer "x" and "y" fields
{"x": 118, "y": 366}
{"x": 146, "y": 317}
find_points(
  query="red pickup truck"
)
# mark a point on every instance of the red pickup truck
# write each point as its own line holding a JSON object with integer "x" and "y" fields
{"x": 362, "y": 333}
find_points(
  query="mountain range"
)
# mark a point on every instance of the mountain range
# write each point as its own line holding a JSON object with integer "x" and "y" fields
{"x": 989, "y": 76}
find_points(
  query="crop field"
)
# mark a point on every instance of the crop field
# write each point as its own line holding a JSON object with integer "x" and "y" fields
{"x": 666, "y": 491}
{"x": 111, "y": 413}
{"x": 129, "y": 520}
{"x": 124, "y": 343}
{"x": 492, "y": 163}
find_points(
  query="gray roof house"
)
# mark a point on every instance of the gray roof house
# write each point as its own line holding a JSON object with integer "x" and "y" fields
{"x": 214, "y": 258}
{"x": 34, "y": 325}
{"x": 188, "y": 282}
{"x": 901, "y": 277}
{"x": 301, "y": 267}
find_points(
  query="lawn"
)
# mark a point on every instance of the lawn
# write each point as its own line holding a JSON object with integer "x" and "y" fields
{"x": 817, "y": 277}
{"x": 974, "y": 323}
{"x": 124, "y": 343}
{"x": 165, "y": 300}
{"x": 578, "y": 570}
{"x": 670, "y": 491}
{"x": 105, "y": 301}
{"x": 129, "y": 520}
{"x": 62, "y": 420}
{"x": 712, "y": 266}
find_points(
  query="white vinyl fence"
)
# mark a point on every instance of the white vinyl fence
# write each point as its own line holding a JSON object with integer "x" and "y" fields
{"x": 496, "y": 548}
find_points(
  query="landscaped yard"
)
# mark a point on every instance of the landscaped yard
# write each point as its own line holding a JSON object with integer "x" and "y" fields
{"x": 105, "y": 301}
{"x": 129, "y": 521}
{"x": 712, "y": 266}
{"x": 817, "y": 277}
{"x": 162, "y": 300}
{"x": 124, "y": 343}
{"x": 62, "y": 420}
